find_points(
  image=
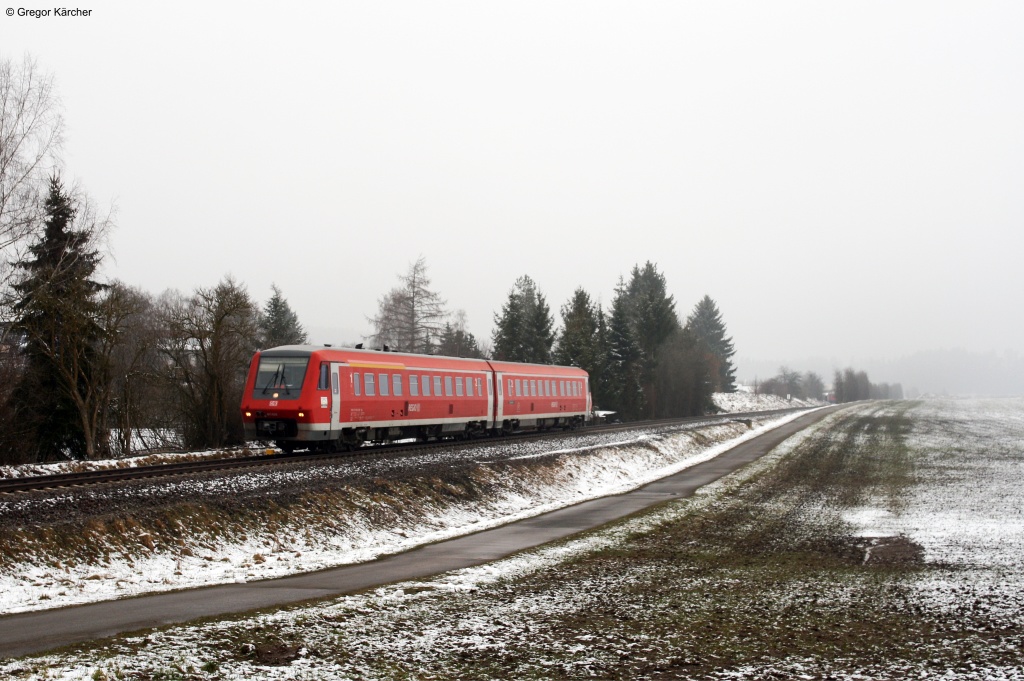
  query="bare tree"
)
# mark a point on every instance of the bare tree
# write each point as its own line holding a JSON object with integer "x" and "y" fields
{"x": 31, "y": 134}
{"x": 411, "y": 316}
{"x": 139, "y": 413}
{"x": 210, "y": 338}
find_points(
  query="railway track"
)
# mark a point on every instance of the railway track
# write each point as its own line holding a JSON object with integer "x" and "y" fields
{"x": 44, "y": 482}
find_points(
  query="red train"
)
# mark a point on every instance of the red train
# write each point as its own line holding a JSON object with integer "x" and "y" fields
{"x": 324, "y": 398}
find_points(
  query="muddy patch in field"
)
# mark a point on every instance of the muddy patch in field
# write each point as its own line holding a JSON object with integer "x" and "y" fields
{"x": 890, "y": 551}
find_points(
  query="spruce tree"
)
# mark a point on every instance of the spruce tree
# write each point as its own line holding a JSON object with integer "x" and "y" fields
{"x": 706, "y": 323}
{"x": 57, "y": 310}
{"x": 579, "y": 343}
{"x": 280, "y": 324}
{"x": 457, "y": 342}
{"x": 652, "y": 318}
{"x": 624, "y": 392}
{"x": 524, "y": 330}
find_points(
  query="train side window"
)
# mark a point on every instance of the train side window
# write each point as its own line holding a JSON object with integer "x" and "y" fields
{"x": 547, "y": 388}
{"x": 480, "y": 387}
{"x": 533, "y": 388}
{"x": 426, "y": 386}
{"x": 561, "y": 388}
{"x": 576, "y": 388}
{"x": 519, "y": 387}
{"x": 414, "y": 385}
{"x": 325, "y": 377}
{"x": 447, "y": 386}
{"x": 396, "y": 385}
{"x": 368, "y": 384}
{"x": 437, "y": 386}
{"x": 356, "y": 385}
{"x": 383, "y": 383}
{"x": 469, "y": 386}
{"x": 458, "y": 386}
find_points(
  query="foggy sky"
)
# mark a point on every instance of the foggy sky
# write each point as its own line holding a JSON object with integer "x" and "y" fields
{"x": 844, "y": 179}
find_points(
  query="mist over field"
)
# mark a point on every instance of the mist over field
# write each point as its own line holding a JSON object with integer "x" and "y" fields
{"x": 937, "y": 372}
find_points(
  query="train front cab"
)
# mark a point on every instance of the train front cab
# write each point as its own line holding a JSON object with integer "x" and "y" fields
{"x": 277, "y": 402}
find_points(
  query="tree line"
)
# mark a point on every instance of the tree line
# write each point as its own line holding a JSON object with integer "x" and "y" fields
{"x": 643, "y": 361}
{"x": 95, "y": 369}
{"x": 848, "y": 385}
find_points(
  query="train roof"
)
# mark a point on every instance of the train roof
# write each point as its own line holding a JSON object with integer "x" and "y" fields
{"x": 380, "y": 356}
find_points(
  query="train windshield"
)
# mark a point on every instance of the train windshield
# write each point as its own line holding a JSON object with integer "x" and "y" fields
{"x": 280, "y": 378}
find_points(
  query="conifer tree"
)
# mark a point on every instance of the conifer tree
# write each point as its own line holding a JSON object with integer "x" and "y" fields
{"x": 410, "y": 317}
{"x": 457, "y": 342}
{"x": 624, "y": 392}
{"x": 579, "y": 343}
{"x": 280, "y": 324}
{"x": 57, "y": 312}
{"x": 652, "y": 318}
{"x": 706, "y": 323}
{"x": 524, "y": 330}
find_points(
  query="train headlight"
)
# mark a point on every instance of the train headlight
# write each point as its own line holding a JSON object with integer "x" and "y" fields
{"x": 248, "y": 414}
{"x": 302, "y": 414}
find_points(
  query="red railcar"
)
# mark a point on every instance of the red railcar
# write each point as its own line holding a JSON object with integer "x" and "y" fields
{"x": 333, "y": 398}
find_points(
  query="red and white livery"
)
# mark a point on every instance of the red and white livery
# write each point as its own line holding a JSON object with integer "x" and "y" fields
{"x": 307, "y": 397}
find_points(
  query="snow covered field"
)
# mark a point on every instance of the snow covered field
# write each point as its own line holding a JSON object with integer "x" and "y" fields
{"x": 962, "y": 466}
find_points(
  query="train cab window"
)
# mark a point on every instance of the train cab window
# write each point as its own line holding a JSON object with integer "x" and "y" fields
{"x": 458, "y": 386}
{"x": 368, "y": 384}
{"x": 469, "y": 387}
{"x": 280, "y": 378}
{"x": 426, "y": 386}
{"x": 324, "y": 383}
{"x": 447, "y": 386}
{"x": 414, "y": 385}
{"x": 437, "y": 386}
{"x": 383, "y": 382}
{"x": 396, "y": 385}
{"x": 355, "y": 385}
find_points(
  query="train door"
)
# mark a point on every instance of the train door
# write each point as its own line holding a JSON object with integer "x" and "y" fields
{"x": 335, "y": 401}
{"x": 590, "y": 399}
